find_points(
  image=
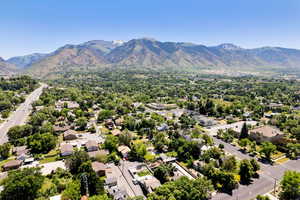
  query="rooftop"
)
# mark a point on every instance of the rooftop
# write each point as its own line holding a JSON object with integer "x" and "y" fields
{"x": 267, "y": 131}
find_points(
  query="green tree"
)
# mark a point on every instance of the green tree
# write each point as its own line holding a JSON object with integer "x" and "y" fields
{"x": 163, "y": 171}
{"x": 41, "y": 143}
{"x": 244, "y": 143}
{"x": 105, "y": 114}
{"x": 183, "y": 189}
{"x": 17, "y": 132}
{"x": 138, "y": 151}
{"x": 22, "y": 184}
{"x": 244, "y": 131}
{"x": 81, "y": 123}
{"x": 5, "y": 105}
{"x": 267, "y": 149}
{"x": 94, "y": 183}
{"x": 296, "y": 132}
{"x": 229, "y": 164}
{"x": 5, "y": 150}
{"x": 76, "y": 160}
{"x": 246, "y": 171}
{"x": 72, "y": 192}
{"x": 101, "y": 197}
{"x": 293, "y": 150}
{"x": 125, "y": 138}
{"x": 290, "y": 186}
{"x": 260, "y": 197}
{"x": 255, "y": 165}
{"x": 111, "y": 143}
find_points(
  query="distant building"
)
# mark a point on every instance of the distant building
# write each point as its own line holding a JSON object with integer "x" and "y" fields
{"x": 266, "y": 133}
{"x": 124, "y": 150}
{"x": 162, "y": 127}
{"x": 119, "y": 121}
{"x": 111, "y": 181}
{"x": 160, "y": 106}
{"x": 116, "y": 132}
{"x": 149, "y": 183}
{"x": 13, "y": 164}
{"x": 66, "y": 150}
{"x": 92, "y": 145}
{"x": 20, "y": 150}
{"x": 60, "y": 129}
{"x": 109, "y": 124}
{"x": 118, "y": 193}
{"x": 70, "y": 135}
{"x": 99, "y": 168}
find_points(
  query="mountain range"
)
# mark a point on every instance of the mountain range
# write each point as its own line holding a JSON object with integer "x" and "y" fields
{"x": 153, "y": 54}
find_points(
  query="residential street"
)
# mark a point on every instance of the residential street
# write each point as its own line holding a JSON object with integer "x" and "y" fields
{"x": 268, "y": 175}
{"x": 19, "y": 116}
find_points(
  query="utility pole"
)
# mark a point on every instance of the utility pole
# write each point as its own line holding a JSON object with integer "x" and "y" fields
{"x": 275, "y": 186}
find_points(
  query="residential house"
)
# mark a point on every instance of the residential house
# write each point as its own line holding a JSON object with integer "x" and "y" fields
{"x": 20, "y": 150}
{"x": 119, "y": 121}
{"x": 13, "y": 164}
{"x": 266, "y": 133}
{"x": 70, "y": 135}
{"x": 66, "y": 150}
{"x": 60, "y": 129}
{"x": 166, "y": 159}
{"x": 92, "y": 145}
{"x": 111, "y": 181}
{"x": 198, "y": 165}
{"x": 118, "y": 193}
{"x": 116, "y": 132}
{"x": 99, "y": 168}
{"x": 124, "y": 150}
{"x": 162, "y": 127}
{"x": 149, "y": 183}
{"x": 109, "y": 124}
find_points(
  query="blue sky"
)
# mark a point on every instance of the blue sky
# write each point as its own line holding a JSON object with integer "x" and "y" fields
{"x": 44, "y": 25}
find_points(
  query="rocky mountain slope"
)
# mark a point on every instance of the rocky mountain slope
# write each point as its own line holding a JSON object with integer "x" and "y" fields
{"x": 22, "y": 62}
{"x": 6, "y": 68}
{"x": 149, "y": 53}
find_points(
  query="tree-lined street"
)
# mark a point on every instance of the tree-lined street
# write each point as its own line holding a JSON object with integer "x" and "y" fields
{"x": 269, "y": 175}
{"x": 19, "y": 116}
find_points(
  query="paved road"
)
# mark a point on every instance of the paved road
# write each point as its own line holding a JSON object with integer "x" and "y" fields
{"x": 237, "y": 126}
{"x": 124, "y": 166}
{"x": 19, "y": 116}
{"x": 268, "y": 176}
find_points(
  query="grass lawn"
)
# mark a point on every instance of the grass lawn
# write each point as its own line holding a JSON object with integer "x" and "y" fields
{"x": 277, "y": 155}
{"x": 144, "y": 173}
{"x": 48, "y": 159}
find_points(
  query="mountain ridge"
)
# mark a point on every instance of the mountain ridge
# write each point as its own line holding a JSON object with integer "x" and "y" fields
{"x": 151, "y": 53}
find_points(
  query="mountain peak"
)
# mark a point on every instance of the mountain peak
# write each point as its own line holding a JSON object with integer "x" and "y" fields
{"x": 229, "y": 46}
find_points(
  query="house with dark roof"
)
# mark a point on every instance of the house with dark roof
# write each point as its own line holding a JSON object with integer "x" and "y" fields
{"x": 66, "y": 150}
{"x": 70, "y": 135}
{"x": 99, "y": 168}
{"x": 91, "y": 145}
